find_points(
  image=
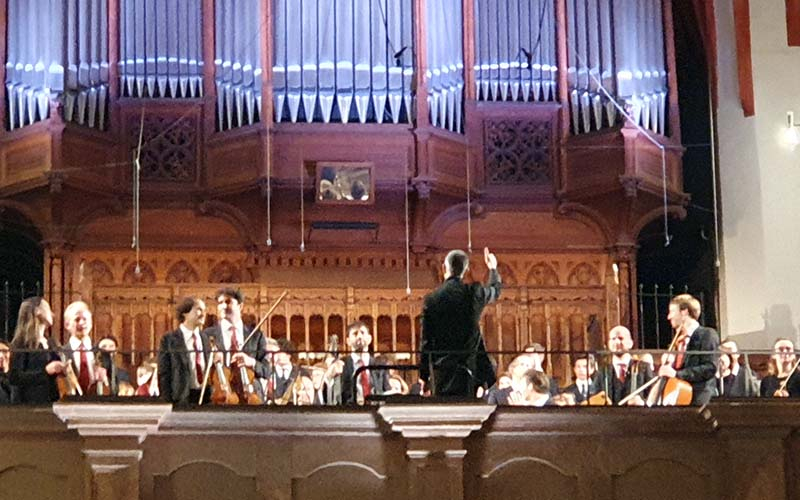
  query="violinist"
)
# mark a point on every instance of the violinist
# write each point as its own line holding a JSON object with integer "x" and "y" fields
{"x": 231, "y": 333}
{"x": 8, "y": 393}
{"x": 697, "y": 368}
{"x": 738, "y": 379}
{"x": 584, "y": 385}
{"x": 119, "y": 378}
{"x": 284, "y": 373}
{"x": 35, "y": 363}
{"x": 79, "y": 348}
{"x": 183, "y": 354}
{"x": 781, "y": 382}
{"x": 369, "y": 381}
{"x": 623, "y": 373}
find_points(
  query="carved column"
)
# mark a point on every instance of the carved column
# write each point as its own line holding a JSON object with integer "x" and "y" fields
{"x": 435, "y": 445}
{"x": 112, "y": 435}
{"x": 54, "y": 280}
{"x": 625, "y": 258}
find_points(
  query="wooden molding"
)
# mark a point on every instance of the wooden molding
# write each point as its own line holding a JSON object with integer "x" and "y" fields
{"x": 744, "y": 58}
{"x": 793, "y": 22}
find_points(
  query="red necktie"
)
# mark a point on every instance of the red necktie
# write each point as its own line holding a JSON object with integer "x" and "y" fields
{"x": 198, "y": 365}
{"x": 364, "y": 380}
{"x": 234, "y": 342}
{"x": 84, "y": 377}
{"x": 681, "y": 353}
{"x": 621, "y": 369}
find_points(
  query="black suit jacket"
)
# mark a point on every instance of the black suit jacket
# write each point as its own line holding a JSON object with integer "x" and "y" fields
{"x": 451, "y": 341}
{"x": 27, "y": 373}
{"x": 255, "y": 347}
{"x": 636, "y": 375}
{"x": 174, "y": 367}
{"x": 378, "y": 381}
{"x": 700, "y": 370}
{"x": 580, "y": 396}
{"x": 744, "y": 385}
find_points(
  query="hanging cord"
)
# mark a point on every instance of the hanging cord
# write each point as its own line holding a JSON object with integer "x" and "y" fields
{"x": 646, "y": 133}
{"x": 302, "y": 213}
{"x": 469, "y": 202}
{"x": 408, "y": 236}
{"x": 713, "y": 127}
{"x": 269, "y": 184}
{"x": 137, "y": 169}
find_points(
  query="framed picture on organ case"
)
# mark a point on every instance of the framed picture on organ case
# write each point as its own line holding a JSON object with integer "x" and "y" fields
{"x": 345, "y": 183}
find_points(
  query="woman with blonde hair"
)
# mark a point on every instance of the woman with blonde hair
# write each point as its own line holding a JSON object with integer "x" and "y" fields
{"x": 35, "y": 363}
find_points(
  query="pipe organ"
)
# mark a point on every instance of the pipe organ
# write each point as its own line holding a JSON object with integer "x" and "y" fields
{"x": 515, "y": 50}
{"x": 343, "y": 61}
{"x": 351, "y": 61}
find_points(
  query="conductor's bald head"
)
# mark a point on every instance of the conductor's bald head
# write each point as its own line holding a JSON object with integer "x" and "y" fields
{"x": 456, "y": 264}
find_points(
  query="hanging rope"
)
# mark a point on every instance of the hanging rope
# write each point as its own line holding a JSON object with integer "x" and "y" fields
{"x": 469, "y": 203}
{"x": 302, "y": 213}
{"x": 646, "y": 133}
{"x": 712, "y": 125}
{"x": 269, "y": 184}
{"x": 137, "y": 169}
{"x": 408, "y": 236}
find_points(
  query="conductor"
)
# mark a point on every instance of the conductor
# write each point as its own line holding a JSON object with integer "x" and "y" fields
{"x": 454, "y": 360}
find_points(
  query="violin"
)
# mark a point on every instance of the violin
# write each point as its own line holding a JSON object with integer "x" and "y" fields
{"x": 104, "y": 386}
{"x": 147, "y": 377}
{"x": 218, "y": 377}
{"x": 243, "y": 382}
{"x": 599, "y": 399}
{"x": 67, "y": 381}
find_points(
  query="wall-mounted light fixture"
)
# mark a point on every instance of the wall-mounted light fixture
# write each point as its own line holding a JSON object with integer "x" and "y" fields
{"x": 792, "y": 132}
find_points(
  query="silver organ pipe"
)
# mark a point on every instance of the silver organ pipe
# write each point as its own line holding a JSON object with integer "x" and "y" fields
{"x": 619, "y": 44}
{"x": 515, "y": 50}
{"x": 343, "y": 60}
{"x": 161, "y": 48}
{"x": 238, "y": 71}
{"x": 445, "y": 73}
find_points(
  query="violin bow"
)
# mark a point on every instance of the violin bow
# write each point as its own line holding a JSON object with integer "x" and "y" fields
{"x": 271, "y": 309}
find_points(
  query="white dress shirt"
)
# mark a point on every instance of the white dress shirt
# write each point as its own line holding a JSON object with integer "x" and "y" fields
{"x": 189, "y": 339}
{"x": 225, "y": 326}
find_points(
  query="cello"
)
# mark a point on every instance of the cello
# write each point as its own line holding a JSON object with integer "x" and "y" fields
{"x": 666, "y": 391}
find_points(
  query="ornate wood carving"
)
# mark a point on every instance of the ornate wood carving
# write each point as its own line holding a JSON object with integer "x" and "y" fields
{"x": 145, "y": 276}
{"x": 169, "y": 146}
{"x": 517, "y": 151}
{"x": 182, "y": 272}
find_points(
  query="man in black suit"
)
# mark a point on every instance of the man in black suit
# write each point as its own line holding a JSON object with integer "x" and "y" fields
{"x": 697, "y": 368}
{"x": 583, "y": 385}
{"x": 453, "y": 351}
{"x": 369, "y": 382}
{"x": 622, "y": 374}
{"x": 230, "y": 333}
{"x": 741, "y": 381}
{"x": 183, "y": 355}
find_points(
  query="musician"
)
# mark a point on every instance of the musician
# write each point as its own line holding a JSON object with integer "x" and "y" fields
{"x": 536, "y": 352}
{"x": 35, "y": 362}
{"x": 8, "y": 393}
{"x": 780, "y": 365}
{"x": 738, "y": 379}
{"x": 284, "y": 372}
{"x": 230, "y": 334}
{"x": 183, "y": 355}
{"x": 696, "y": 368}
{"x": 623, "y": 373}
{"x": 536, "y": 393}
{"x": 518, "y": 370}
{"x": 118, "y": 377}
{"x": 369, "y": 381}
{"x": 453, "y": 349}
{"x": 79, "y": 348}
{"x": 584, "y": 385}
